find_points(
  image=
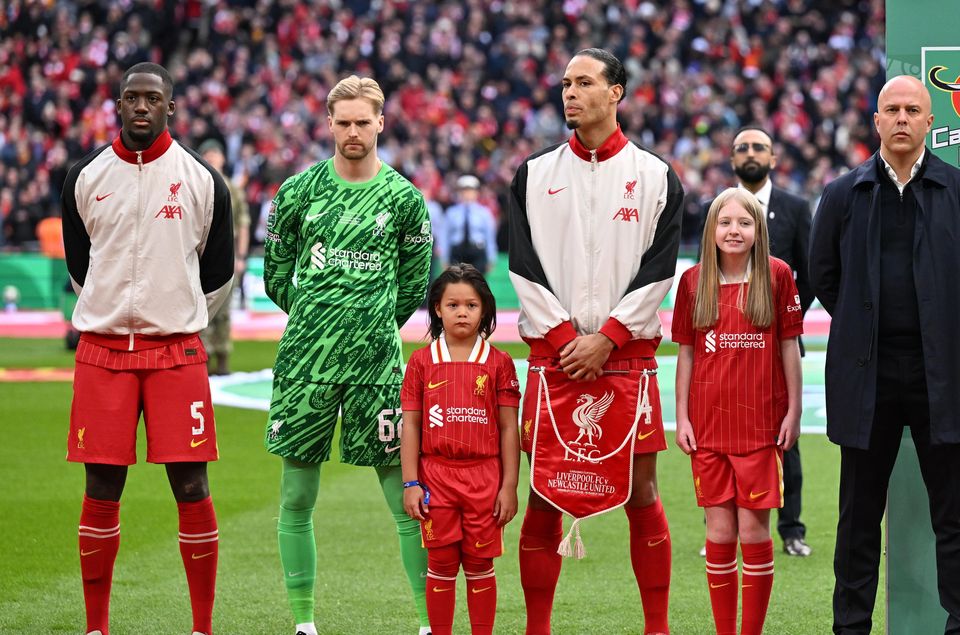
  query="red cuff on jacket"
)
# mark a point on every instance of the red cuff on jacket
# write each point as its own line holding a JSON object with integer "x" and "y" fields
{"x": 561, "y": 334}
{"x": 617, "y": 332}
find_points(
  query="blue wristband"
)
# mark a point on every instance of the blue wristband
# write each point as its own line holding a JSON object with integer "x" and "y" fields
{"x": 407, "y": 484}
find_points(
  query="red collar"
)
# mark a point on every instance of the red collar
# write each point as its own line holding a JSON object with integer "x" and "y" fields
{"x": 155, "y": 151}
{"x": 607, "y": 149}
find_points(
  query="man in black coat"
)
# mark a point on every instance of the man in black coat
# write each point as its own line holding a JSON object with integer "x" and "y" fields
{"x": 788, "y": 225}
{"x": 884, "y": 261}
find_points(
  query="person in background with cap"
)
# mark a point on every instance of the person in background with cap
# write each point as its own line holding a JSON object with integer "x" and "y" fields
{"x": 470, "y": 231}
{"x": 216, "y": 337}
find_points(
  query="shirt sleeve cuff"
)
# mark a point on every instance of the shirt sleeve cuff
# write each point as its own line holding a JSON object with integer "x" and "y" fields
{"x": 617, "y": 332}
{"x": 561, "y": 334}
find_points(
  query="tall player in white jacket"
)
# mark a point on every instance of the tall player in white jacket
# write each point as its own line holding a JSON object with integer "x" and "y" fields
{"x": 149, "y": 247}
{"x": 594, "y": 235}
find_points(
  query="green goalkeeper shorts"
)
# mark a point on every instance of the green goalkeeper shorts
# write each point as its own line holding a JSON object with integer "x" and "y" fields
{"x": 303, "y": 418}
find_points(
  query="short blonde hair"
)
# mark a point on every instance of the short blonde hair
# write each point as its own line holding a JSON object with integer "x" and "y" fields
{"x": 354, "y": 87}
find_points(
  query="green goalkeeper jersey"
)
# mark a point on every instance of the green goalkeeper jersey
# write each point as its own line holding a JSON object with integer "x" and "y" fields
{"x": 349, "y": 264}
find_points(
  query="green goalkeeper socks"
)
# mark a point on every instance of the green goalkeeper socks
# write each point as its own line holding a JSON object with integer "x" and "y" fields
{"x": 299, "y": 485}
{"x": 412, "y": 554}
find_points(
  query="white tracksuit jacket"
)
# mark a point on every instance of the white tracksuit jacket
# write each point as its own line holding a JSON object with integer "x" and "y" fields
{"x": 148, "y": 238}
{"x": 594, "y": 237}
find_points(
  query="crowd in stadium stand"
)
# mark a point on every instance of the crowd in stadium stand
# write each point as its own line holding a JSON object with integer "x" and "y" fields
{"x": 472, "y": 85}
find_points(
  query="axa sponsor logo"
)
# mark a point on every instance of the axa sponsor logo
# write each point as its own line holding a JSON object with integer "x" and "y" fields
{"x": 170, "y": 212}
{"x": 627, "y": 215}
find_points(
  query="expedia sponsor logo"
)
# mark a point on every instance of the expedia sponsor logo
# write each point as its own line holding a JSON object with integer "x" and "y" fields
{"x": 417, "y": 239}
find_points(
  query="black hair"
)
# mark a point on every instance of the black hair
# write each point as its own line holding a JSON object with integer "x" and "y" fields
{"x": 613, "y": 69}
{"x": 467, "y": 274}
{"x": 152, "y": 69}
{"x": 753, "y": 126}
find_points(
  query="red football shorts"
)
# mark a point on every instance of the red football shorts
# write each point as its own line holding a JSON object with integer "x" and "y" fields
{"x": 174, "y": 400}
{"x": 650, "y": 436}
{"x": 754, "y": 480}
{"x": 462, "y": 496}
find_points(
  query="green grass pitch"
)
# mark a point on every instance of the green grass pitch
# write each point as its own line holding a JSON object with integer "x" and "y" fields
{"x": 361, "y": 588}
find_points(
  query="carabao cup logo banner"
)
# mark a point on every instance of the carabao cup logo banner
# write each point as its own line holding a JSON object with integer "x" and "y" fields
{"x": 941, "y": 74}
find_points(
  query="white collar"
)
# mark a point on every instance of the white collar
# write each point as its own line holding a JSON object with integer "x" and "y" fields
{"x": 440, "y": 353}
{"x": 763, "y": 194}
{"x": 913, "y": 171}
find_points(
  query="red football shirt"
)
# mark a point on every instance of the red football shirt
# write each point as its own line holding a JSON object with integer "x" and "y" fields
{"x": 460, "y": 400}
{"x": 738, "y": 392}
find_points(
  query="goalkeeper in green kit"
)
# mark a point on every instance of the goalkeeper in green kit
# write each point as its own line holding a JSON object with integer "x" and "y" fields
{"x": 347, "y": 258}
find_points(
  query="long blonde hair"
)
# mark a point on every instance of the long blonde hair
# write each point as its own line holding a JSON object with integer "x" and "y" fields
{"x": 758, "y": 306}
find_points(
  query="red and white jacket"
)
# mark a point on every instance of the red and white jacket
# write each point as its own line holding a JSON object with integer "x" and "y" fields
{"x": 594, "y": 236}
{"x": 148, "y": 238}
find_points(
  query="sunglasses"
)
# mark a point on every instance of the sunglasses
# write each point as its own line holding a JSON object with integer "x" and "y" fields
{"x": 742, "y": 148}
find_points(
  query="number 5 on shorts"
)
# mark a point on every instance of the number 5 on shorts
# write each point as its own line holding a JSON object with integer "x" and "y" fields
{"x": 387, "y": 429}
{"x": 195, "y": 413}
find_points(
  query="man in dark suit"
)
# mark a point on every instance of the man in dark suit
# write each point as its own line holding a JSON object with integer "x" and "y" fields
{"x": 884, "y": 263}
{"x": 788, "y": 224}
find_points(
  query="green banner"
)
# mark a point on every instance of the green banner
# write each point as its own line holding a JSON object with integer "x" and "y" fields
{"x": 921, "y": 41}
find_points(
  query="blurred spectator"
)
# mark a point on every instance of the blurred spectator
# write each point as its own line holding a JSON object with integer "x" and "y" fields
{"x": 473, "y": 85}
{"x": 216, "y": 337}
{"x": 470, "y": 231}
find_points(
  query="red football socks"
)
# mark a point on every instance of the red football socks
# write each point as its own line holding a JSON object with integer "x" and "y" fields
{"x": 650, "y": 554}
{"x": 199, "y": 541}
{"x": 443, "y": 564}
{"x": 540, "y": 536}
{"x": 481, "y": 593}
{"x": 757, "y": 585}
{"x": 99, "y": 537}
{"x": 724, "y": 585}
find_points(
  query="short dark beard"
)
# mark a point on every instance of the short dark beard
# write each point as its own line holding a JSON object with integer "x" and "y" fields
{"x": 572, "y": 125}
{"x": 752, "y": 173}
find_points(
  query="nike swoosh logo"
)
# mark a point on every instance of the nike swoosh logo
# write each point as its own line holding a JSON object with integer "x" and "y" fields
{"x": 642, "y": 436}
{"x": 719, "y": 586}
{"x": 552, "y": 191}
{"x": 89, "y": 553}
{"x": 526, "y": 548}
{"x": 486, "y": 588}
{"x": 481, "y": 545}
{"x": 431, "y": 385}
{"x": 437, "y": 589}
{"x": 194, "y": 443}
{"x": 293, "y": 574}
{"x": 316, "y": 216}
{"x": 197, "y": 556}
{"x": 754, "y": 496}
{"x": 100, "y": 198}
{"x": 390, "y": 450}
{"x": 654, "y": 543}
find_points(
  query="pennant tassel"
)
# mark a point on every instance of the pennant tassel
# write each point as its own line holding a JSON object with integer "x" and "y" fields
{"x": 577, "y": 550}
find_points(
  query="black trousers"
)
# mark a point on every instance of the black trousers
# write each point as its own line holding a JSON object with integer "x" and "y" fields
{"x": 864, "y": 477}
{"x": 788, "y": 519}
